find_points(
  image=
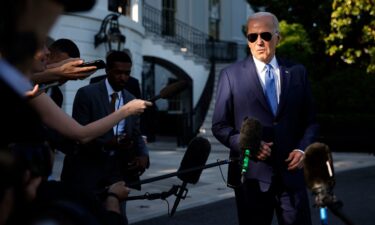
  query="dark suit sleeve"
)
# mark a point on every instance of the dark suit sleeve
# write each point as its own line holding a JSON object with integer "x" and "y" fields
{"x": 81, "y": 107}
{"x": 83, "y": 113}
{"x": 97, "y": 79}
{"x": 142, "y": 149}
{"x": 223, "y": 117}
{"x": 57, "y": 96}
{"x": 137, "y": 89}
{"x": 132, "y": 86}
{"x": 311, "y": 127}
{"x": 135, "y": 130}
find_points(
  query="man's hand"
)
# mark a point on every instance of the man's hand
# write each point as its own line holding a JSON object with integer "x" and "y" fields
{"x": 295, "y": 160}
{"x": 264, "y": 150}
{"x": 117, "y": 193}
{"x": 120, "y": 190}
{"x": 69, "y": 69}
{"x": 135, "y": 107}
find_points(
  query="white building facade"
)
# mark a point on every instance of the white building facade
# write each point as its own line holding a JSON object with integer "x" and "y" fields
{"x": 168, "y": 40}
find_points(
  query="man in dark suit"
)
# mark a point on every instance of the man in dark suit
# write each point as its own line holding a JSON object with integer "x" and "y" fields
{"x": 278, "y": 94}
{"x": 60, "y": 50}
{"x": 132, "y": 85}
{"x": 105, "y": 160}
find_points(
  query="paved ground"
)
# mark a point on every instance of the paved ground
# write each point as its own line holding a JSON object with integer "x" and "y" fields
{"x": 210, "y": 194}
{"x": 355, "y": 188}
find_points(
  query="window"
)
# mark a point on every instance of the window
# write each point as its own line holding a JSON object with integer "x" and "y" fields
{"x": 119, "y": 6}
{"x": 168, "y": 14}
{"x": 214, "y": 19}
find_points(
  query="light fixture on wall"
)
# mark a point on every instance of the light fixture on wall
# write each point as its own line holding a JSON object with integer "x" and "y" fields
{"x": 110, "y": 33}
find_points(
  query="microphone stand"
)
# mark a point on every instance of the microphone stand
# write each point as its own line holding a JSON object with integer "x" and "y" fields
{"x": 162, "y": 177}
{"x": 336, "y": 208}
{"x": 326, "y": 199}
{"x": 163, "y": 195}
{"x": 180, "y": 195}
{"x": 179, "y": 191}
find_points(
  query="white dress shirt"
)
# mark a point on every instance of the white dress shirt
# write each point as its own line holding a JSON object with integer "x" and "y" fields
{"x": 261, "y": 70}
{"x": 119, "y": 128}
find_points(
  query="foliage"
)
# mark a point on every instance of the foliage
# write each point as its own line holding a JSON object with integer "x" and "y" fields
{"x": 352, "y": 35}
{"x": 345, "y": 91}
{"x": 313, "y": 15}
{"x": 295, "y": 43}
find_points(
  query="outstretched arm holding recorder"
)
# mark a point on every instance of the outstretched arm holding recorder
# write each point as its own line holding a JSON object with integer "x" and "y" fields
{"x": 56, "y": 118}
{"x": 68, "y": 69}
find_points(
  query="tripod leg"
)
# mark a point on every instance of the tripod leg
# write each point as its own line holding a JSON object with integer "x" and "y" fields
{"x": 336, "y": 209}
{"x": 178, "y": 197}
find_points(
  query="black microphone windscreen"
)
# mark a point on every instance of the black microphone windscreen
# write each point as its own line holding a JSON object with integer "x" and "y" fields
{"x": 318, "y": 166}
{"x": 250, "y": 135}
{"x": 173, "y": 89}
{"x": 153, "y": 99}
{"x": 196, "y": 155}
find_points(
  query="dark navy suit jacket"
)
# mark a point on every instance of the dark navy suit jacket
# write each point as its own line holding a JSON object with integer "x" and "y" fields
{"x": 89, "y": 166}
{"x": 240, "y": 94}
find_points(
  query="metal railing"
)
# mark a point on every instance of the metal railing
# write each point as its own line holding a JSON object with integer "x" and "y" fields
{"x": 188, "y": 37}
{"x": 198, "y": 43}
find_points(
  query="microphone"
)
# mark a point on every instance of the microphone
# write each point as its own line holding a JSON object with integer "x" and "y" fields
{"x": 319, "y": 172}
{"x": 250, "y": 138}
{"x": 190, "y": 170}
{"x": 320, "y": 179}
{"x": 170, "y": 90}
{"x": 319, "y": 176}
{"x": 196, "y": 156}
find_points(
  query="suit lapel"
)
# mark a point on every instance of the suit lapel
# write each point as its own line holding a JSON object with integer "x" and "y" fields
{"x": 252, "y": 81}
{"x": 104, "y": 97}
{"x": 285, "y": 81}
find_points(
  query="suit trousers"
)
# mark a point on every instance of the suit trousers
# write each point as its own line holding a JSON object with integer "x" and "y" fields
{"x": 255, "y": 207}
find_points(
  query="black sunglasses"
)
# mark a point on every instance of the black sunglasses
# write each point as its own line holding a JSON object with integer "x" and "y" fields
{"x": 266, "y": 36}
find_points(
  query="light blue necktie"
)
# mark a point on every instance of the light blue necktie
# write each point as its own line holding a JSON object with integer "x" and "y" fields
{"x": 271, "y": 88}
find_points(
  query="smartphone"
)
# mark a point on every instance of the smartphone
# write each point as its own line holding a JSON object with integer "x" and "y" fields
{"x": 100, "y": 64}
{"x": 44, "y": 87}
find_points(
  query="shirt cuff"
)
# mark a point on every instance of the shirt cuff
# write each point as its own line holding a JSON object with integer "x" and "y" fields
{"x": 299, "y": 150}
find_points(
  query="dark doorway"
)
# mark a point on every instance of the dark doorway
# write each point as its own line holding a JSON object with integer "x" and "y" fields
{"x": 173, "y": 116}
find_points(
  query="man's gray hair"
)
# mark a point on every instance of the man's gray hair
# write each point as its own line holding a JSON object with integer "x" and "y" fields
{"x": 262, "y": 14}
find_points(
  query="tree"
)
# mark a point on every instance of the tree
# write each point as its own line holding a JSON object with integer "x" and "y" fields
{"x": 352, "y": 34}
{"x": 314, "y": 16}
{"x": 295, "y": 43}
